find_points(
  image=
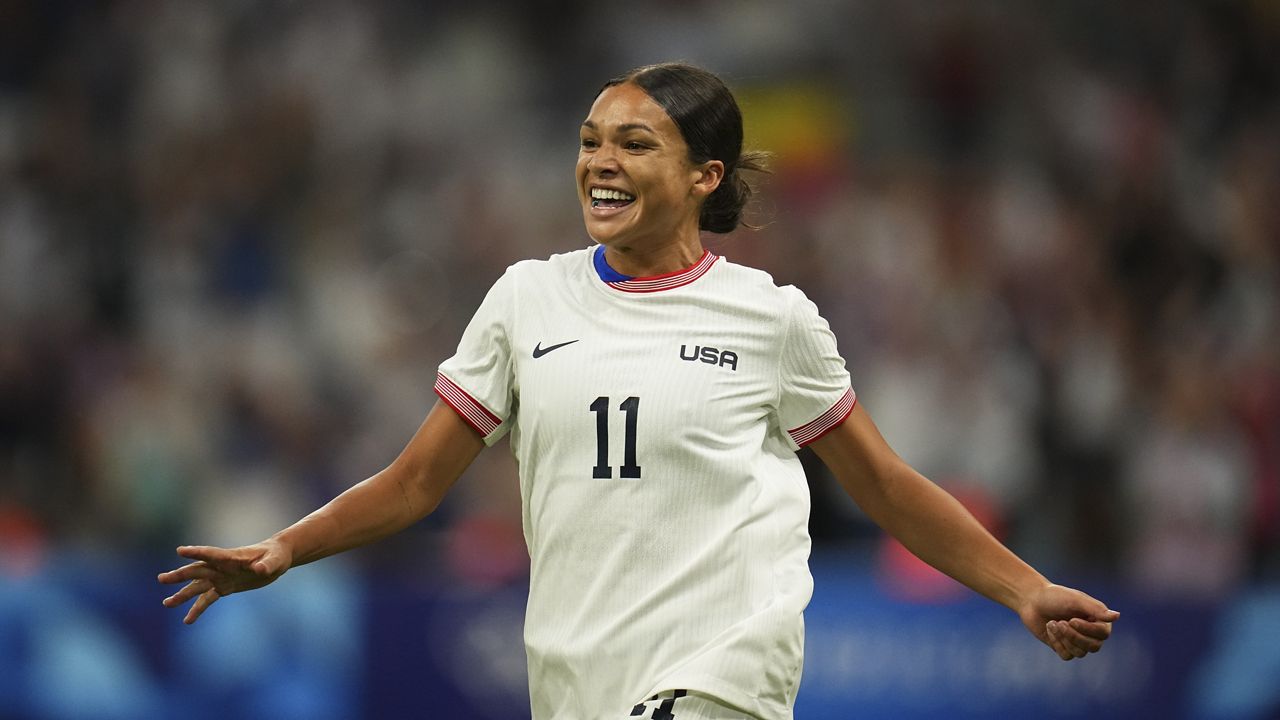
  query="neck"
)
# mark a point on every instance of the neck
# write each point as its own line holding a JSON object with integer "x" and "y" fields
{"x": 658, "y": 259}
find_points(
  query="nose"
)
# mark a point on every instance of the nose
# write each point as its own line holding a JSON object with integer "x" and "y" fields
{"x": 603, "y": 161}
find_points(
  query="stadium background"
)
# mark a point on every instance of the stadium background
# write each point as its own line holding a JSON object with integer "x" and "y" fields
{"x": 236, "y": 238}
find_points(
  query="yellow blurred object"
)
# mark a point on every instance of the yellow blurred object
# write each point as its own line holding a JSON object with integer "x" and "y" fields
{"x": 803, "y": 124}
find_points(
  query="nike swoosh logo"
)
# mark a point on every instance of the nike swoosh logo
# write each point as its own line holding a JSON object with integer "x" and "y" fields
{"x": 539, "y": 351}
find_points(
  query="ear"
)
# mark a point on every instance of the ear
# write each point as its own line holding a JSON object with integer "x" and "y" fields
{"x": 707, "y": 177}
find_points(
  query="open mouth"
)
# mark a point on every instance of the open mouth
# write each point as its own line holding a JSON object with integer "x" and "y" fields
{"x": 607, "y": 198}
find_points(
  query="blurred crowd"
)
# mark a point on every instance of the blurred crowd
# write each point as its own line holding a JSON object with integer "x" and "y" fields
{"x": 236, "y": 239}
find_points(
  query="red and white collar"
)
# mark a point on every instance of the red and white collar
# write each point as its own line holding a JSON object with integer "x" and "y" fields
{"x": 653, "y": 283}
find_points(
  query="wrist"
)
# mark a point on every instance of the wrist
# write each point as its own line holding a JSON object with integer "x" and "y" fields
{"x": 1024, "y": 591}
{"x": 286, "y": 544}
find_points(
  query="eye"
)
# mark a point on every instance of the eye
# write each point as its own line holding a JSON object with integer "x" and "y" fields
{"x": 587, "y": 144}
{"x": 635, "y": 146}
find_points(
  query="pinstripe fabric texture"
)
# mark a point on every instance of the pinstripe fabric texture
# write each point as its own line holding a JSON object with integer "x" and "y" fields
{"x": 683, "y": 705}
{"x": 655, "y": 425}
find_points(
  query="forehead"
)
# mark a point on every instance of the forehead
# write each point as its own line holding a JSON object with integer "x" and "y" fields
{"x": 629, "y": 104}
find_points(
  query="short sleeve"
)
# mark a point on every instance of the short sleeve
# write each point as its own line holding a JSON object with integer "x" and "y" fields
{"x": 813, "y": 385}
{"x": 478, "y": 380}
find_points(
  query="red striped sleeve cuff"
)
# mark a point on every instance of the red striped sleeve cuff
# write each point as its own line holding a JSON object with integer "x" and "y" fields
{"x": 475, "y": 414}
{"x": 826, "y": 422}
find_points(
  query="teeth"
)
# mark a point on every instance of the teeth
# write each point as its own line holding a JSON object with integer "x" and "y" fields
{"x": 606, "y": 194}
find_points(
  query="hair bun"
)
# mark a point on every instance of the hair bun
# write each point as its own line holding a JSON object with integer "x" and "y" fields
{"x": 722, "y": 211}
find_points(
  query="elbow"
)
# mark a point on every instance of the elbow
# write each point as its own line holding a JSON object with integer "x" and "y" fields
{"x": 423, "y": 487}
{"x": 412, "y": 489}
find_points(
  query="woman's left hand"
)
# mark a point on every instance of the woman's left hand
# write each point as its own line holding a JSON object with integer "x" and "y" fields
{"x": 1069, "y": 621}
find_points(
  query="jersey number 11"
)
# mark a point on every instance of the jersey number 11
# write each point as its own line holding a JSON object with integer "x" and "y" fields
{"x": 630, "y": 468}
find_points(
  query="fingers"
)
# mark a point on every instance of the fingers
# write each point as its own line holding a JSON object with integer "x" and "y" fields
{"x": 252, "y": 558}
{"x": 207, "y": 553}
{"x": 1094, "y": 609}
{"x": 201, "y": 604}
{"x": 192, "y": 589}
{"x": 1077, "y": 637}
{"x": 1096, "y": 630}
{"x": 209, "y": 567}
{"x": 1086, "y": 632}
{"x": 204, "y": 593}
{"x": 1060, "y": 643}
{"x": 1055, "y": 642}
{"x": 193, "y": 571}
{"x": 221, "y": 571}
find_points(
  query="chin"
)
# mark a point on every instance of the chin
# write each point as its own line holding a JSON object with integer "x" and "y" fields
{"x": 602, "y": 232}
{"x": 606, "y": 239}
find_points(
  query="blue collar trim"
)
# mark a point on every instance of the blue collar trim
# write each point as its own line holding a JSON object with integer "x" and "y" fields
{"x": 605, "y": 272}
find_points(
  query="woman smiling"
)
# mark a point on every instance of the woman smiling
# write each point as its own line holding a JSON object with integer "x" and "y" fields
{"x": 655, "y": 395}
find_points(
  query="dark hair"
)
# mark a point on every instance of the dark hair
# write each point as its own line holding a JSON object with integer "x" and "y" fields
{"x": 711, "y": 123}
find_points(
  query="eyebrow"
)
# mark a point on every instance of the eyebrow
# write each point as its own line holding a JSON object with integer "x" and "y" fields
{"x": 621, "y": 128}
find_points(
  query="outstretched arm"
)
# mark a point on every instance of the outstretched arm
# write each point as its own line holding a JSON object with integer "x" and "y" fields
{"x": 401, "y": 494}
{"x": 939, "y": 530}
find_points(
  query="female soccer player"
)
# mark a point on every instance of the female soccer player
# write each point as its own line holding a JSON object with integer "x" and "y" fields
{"x": 656, "y": 395}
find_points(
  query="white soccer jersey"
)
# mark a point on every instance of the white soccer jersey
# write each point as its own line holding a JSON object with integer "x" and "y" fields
{"x": 655, "y": 422}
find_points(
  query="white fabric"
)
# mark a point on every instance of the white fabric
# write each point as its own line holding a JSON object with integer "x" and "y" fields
{"x": 684, "y": 706}
{"x": 694, "y": 574}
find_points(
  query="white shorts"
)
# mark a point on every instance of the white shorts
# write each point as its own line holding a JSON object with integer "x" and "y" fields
{"x": 685, "y": 705}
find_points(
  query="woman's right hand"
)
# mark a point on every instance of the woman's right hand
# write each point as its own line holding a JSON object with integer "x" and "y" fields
{"x": 221, "y": 571}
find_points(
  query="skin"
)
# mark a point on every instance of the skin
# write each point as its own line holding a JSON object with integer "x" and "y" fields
{"x": 939, "y": 530}
{"x": 629, "y": 143}
{"x": 400, "y": 495}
